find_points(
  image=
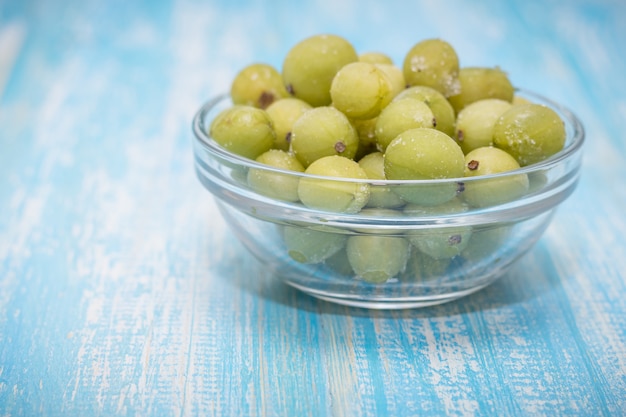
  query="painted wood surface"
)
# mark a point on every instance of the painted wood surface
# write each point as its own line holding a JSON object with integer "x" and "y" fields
{"x": 122, "y": 292}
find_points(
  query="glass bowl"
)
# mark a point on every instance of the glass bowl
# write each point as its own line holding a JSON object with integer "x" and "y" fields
{"x": 427, "y": 247}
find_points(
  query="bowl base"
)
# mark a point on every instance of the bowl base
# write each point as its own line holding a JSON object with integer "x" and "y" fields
{"x": 387, "y": 304}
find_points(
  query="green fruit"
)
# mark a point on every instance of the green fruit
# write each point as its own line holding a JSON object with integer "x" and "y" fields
{"x": 323, "y": 131}
{"x": 400, "y": 116}
{"x": 517, "y": 99}
{"x": 443, "y": 242}
{"x": 530, "y": 133}
{"x": 423, "y": 268}
{"x": 485, "y": 242}
{"x": 334, "y": 194}
{"x": 309, "y": 246}
{"x": 424, "y": 154}
{"x": 396, "y": 77}
{"x": 244, "y": 130}
{"x": 478, "y": 83}
{"x": 438, "y": 104}
{"x": 339, "y": 264}
{"x": 258, "y": 85}
{"x": 310, "y": 66}
{"x": 380, "y": 196}
{"x": 282, "y": 186}
{"x": 475, "y": 123}
{"x": 366, "y": 131}
{"x": 284, "y": 113}
{"x": 361, "y": 90}
{"x": 376, "y": 258}
{"x": 375, "y": 58}
{"x": 491, "y": 191}
{"x": 433, "y": 63}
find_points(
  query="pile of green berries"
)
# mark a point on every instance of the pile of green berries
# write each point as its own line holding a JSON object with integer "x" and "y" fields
{"x": 333, "y": 112}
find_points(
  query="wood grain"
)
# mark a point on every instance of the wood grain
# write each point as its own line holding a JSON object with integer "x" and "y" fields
{"x": 123, "y": 293}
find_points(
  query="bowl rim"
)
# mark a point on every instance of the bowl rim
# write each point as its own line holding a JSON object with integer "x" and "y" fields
{"x": 571, "y": 148}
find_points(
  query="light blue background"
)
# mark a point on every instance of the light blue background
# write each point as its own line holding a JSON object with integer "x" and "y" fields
{"x": 122, "y": 292}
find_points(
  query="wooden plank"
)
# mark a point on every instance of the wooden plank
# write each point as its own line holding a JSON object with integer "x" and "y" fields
{"x": 124, "y": 293}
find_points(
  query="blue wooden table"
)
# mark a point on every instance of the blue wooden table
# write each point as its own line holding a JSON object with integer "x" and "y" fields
{"x": 123, "y": 293}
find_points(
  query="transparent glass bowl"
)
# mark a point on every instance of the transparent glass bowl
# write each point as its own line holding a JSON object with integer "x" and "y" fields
{"x": 430, "y": 254}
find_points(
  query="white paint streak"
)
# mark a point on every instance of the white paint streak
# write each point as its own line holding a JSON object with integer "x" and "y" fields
{"x": 342, "y": 381}
{"x": 11, "y": 39}
{"x": 598, "y": 330}
{"x": 15, "y": 247}
{"x": 128, "y": 289}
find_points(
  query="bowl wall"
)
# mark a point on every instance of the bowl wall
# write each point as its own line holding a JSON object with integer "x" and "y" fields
{"x": 423, "y": 281}
{"x": 426, "y": 247}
